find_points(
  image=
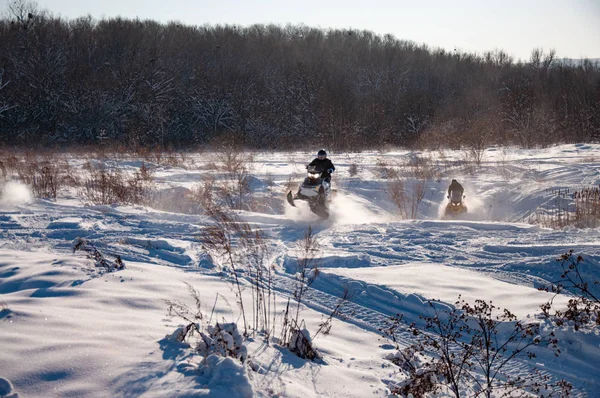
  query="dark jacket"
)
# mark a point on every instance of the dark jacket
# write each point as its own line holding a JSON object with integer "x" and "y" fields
{"x": 455, "y": 186}
{"x": 323, "y": 165}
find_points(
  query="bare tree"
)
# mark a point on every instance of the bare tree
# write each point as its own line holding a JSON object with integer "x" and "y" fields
{"x": 146, "y": 84}
{"x": 3, "y": 106}
{"x": 23, "y": 12}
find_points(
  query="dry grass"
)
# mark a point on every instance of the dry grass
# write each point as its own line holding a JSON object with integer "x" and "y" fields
{"x": 202, "y": 194}
{"x": 385, "y": 169}
{"x": 45, "y": 174}
{"x": 397, "y": 192}
{"x": 407, "y": 200}
{"x": 244, "y": 251}
{"x": 423, "y": 168}
{"x": 105, "y": 186}
{"x": 97, "y": 257}
{"x": 579, "y": 209}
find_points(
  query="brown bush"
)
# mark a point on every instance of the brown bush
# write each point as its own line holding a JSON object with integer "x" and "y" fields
{"x": 579, "y": 208}
{"x": 43, "y": 174}
{"x": 397, "y": 192}
{"x": 202, "y": 193}
{"x": 386, "y": 170}
{"x": 109, "y": 186}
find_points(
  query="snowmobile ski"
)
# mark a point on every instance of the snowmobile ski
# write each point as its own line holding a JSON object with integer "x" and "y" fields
{"x": 290, "y": 199}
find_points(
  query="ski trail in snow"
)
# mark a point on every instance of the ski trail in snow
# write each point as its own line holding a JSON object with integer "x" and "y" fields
{"x": 374, "y": 321}
{"x": 365, "y": 315}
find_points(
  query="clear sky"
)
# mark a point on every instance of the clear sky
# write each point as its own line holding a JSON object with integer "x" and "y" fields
{"x": 571, "y": 27}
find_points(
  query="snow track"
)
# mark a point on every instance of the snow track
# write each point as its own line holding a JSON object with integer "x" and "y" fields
{"x": 498, "y": 250}
{"x": 390, "y": 266}
{"x": 165, "y": 240}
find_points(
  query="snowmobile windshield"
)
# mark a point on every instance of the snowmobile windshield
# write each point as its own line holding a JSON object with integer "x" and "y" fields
{"x": 314, "y": 175}
{"x": 456, "y": 196}
{"x": 314, "y": 172}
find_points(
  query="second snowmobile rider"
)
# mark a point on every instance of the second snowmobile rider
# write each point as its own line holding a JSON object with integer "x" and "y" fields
{"x": 455, "y": 187}
{"x": 323, "y": 164}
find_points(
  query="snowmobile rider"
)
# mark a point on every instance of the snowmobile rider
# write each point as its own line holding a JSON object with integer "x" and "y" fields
{"x": 323, "y": 164}
{"x": 455, "y": 187}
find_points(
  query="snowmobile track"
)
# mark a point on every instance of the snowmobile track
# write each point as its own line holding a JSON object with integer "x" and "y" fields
{"x": 405, "y": 239}
{"x": 375, "y": 321}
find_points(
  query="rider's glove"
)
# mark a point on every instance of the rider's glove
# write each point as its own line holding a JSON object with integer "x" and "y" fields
{"x": 330, "y": 171}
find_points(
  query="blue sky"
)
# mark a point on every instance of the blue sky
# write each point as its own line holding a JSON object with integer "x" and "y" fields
{"x": 571, "y": 27}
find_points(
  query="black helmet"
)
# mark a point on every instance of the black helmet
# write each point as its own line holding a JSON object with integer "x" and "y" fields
{"x": 322, "y": 152}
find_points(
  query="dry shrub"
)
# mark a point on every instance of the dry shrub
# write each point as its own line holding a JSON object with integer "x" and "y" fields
{"x": 418, "y": 194}
{"x": 466, "y": 347}
{"x": 353, "y": 170}
{"x": 202, "y": 193}
{"x": 423, "y": 168}
{"x": 587, "y": 207}
{"x": 273, "y": 203}
{"x": 467, "y": 165}
{"x": 10, "y": 163}
{"x": 233, "y": 187}
{"x": 583, "y": 308}
{"x": 244, "y": 251}
{"x": 479, "y": 136}
{"x": 503, "y": 168}
{"x": 397, "y": 192}
{"x": 174, "y": 159}
{"x": 407, "y": 201}
{"x": 235, "y": 161}
{"x": 163, "y": 157}
{"x": 580, "y": 209}
{"x": 43, "y": 174}
{"x": 95, "y": 255}
{"x": 210, "y": 165}
{"x": 294, "y": 334}
{"x": 443, "y": 159}
{"x": 385, "y": 170}
{"x": 233, "y": 192}
{"x": 236, "y": 189}
{"x": 109, "y": 186}
{"x": 46, "y": 182}
{"x": 230, "y": 149}
{"x": 206, "y": 338}
{"x": 442, "y": 134}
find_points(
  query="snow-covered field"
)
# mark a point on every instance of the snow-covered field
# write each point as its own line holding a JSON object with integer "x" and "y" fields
{"x": 67, "y": 329}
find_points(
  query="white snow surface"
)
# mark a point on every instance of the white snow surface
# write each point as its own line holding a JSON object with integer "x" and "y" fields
{"x": 68, "y": 330}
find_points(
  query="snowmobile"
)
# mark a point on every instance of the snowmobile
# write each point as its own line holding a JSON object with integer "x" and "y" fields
{"x": 314, "y": 190}
{"x": 455, "y": 205}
